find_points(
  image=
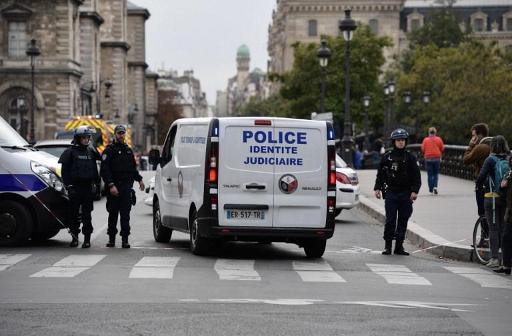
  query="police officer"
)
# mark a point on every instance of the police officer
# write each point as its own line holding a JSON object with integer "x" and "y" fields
{"x": 119, "y": 171}
{"x": 80, "y": 173}
{"x": 398, "y": 182}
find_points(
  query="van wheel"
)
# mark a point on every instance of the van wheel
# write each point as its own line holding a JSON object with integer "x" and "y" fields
{"x": 315, "y": 248}
{"x": 45, "y": 235}
{"x": 160, "y": 232}
{"x": 15, "y": 223}
{"x": 198, "y": 244}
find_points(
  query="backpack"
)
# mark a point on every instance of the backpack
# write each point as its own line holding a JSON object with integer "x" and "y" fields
{"x": 501, "y": 169}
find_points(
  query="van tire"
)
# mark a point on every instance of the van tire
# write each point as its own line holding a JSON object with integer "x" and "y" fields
{"x": 161, "y": 233}
{"x": 44, "y": 236}
{"x": 198, "y": 244}
{"x": 315, "y": 248}
{"x": 18, "y": 217}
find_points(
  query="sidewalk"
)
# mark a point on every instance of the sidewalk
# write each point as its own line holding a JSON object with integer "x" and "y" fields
{"x": 442, "y": 224}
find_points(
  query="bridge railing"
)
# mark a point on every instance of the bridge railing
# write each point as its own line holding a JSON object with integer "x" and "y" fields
{"x": 451, "y": 163}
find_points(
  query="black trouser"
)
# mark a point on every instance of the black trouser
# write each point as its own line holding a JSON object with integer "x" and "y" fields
{"x": 398, "y": 207}
{"x": 479, "y": 194}
{"x": 119, "y": 205}
{"x": 506, "y": 243}
{"x": 81, "y": 196}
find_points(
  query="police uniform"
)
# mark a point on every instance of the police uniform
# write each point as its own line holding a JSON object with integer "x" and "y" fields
{"x": 118, "y": 168}
{"x": 80, "y": 173}
{"x": 397, "y": 177}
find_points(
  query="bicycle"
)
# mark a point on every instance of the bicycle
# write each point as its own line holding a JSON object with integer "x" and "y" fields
{"x": 481, "y": 242}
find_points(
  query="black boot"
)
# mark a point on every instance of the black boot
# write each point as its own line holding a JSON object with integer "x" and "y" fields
{"x": 87, "y": 241}
{"x": 387, "y": 249}
{"x": 125, "y": 243}
{"x": 399, "y": 248}
{"x": 111, "y": 241}
{"x": 74, "y": 241}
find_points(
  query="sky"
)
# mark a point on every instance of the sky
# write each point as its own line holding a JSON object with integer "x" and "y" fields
{"x": 204, "y": 35}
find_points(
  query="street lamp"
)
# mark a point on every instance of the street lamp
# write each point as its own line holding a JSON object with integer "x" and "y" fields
{"x": 425, "y": 98}
{"x": 347, "y": 27}
{"x": 32, "y": 51}
{"x": 323, "y": 54}
{"x": 366, "y": 104}
{"x": 389, "y": 93}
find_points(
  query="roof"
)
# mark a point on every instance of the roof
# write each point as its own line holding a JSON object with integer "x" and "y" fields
{"x": 243, "y": 51}
{"x": 460, "y": 3}
{"x": 134, "y": 9}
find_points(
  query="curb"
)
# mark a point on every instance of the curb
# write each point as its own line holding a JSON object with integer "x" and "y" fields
{"x": 419, "y": 236}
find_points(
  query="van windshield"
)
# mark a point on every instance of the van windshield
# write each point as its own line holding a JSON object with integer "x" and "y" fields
{"x": 9, "y": 137}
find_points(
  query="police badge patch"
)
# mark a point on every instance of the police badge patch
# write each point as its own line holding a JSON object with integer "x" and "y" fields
{"x": 104, "y": 157}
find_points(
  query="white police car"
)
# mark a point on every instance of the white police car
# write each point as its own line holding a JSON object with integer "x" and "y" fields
{"x": 33, "y": 199}
{"x": 347, "y": 186}
{"x": 251, "y": 179}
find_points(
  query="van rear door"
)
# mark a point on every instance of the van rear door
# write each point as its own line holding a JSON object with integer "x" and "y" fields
{"x": 300, "y": 174}
{"x": 246, "y": 176}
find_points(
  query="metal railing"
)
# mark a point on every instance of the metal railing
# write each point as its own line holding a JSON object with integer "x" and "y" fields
{"x": 451, "y": 163}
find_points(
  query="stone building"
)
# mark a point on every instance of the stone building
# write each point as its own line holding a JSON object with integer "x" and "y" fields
{"x": 92, "y": 62}
{"x": 307, "y": 20}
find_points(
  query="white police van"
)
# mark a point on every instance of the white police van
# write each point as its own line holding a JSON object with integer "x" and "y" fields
{"x": 33, "y": 199}
{"x": 248, "y": 179}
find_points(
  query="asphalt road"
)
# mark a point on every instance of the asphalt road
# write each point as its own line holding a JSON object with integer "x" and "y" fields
{"x": 245, "y": 288}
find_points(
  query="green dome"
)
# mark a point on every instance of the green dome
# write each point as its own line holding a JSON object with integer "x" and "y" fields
{"x": 243, "y": 52}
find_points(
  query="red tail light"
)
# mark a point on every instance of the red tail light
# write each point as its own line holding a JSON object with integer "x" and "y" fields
{"x": 342, "y": 178}
{"x": 212, "y": 178}
{"x": 332, "y": 178}
{"x": 263, "y": 122}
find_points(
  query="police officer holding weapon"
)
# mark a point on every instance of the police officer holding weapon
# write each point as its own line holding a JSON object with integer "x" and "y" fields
{"x": 119, "y": 171}
{"x": 398, "y": 182}
{"x": 80, "y": 173}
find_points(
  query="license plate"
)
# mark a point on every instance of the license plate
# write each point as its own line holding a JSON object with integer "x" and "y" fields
{"x": 245, "y": 214}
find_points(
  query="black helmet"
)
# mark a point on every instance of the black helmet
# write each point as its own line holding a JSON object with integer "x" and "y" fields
{"x": 120, "y": 128}
{"x": 399, "y": 133}
{"x": 82, "y": 131}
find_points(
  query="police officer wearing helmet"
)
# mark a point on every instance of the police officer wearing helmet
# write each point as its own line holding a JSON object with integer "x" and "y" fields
{"x": 119, "y": 171}
{"x": 398, "y": 182}
{"x": 80, "y": 173}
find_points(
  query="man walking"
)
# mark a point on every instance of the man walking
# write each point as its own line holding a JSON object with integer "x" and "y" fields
{"x": 398, "y": 182}
{"x": 432, "y": 148}
{"x": 80, "y": 173}
{"x": 118, "y": 170}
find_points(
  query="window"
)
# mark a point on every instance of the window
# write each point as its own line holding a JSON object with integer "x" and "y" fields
{"x": 479, "y": 25}
{"x": 415, "y": 24}
{"x": 17, "y": 38}
{"x": 18, "y": 109}
{"x": 374, "y": 26}
{"x": 509, "y": 24}
{"x": 168, "y": 149}
{"x": 312, "y": 28}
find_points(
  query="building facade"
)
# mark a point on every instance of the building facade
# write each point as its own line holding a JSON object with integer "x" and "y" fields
{"x": 92, "y": 61}
{"x": 307, "y": 20}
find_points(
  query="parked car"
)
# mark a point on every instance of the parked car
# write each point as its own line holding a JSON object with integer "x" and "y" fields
{"x": 347, "y": 186}
{"x": 56, "y": 147}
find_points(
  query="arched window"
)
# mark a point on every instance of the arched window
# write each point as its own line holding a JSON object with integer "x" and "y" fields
{"x": 312, "y": 28}
{"x": 374, "y": 26}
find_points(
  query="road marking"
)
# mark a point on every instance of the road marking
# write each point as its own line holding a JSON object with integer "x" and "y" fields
{"x": 410, "y": 305}
{"x": 398, "y": 274}
{"x": 229, "y": 269}
{"x": 284, "y": 302}
{"x": 8, "y": 260}
{"x": 70, "y": 266}
{"x": 316, "y": 271}
{"x": 154, "y": 268}
{"x": 482, "y": 277}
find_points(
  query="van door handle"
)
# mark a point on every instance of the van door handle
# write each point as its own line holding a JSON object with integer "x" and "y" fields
{"x": 255, "y": 186}
{"x": 169, "y": 179}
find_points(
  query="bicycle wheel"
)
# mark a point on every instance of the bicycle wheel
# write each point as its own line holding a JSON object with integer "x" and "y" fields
{"x": 482, "y": 253}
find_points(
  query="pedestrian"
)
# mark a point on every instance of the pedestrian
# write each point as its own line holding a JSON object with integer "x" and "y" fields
{"x": 478, "y": 150}
{"x": 432, "y": 148}
{"x": 506, "y": 240}
{"x": 79, "y": 174}
{"x": 119, "y": 171}
{"x": 491, "y": 175}
{"x": 398, "y": 182}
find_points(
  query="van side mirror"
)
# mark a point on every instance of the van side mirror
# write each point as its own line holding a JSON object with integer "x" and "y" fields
{"x": 154, "y": 157}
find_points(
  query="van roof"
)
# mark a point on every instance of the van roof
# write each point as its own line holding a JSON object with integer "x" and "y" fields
{"x": 207, "y": 120}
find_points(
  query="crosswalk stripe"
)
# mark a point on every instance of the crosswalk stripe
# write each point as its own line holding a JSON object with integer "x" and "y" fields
{"x": 70, "y": 266}
{"x": 236, "y": 270}
{"x": 154, "y": 268}
{"x": 8, "y": 260}
{"x": 482, "y": 277}
{"x": 398, "y": 274}
{"x": 316, "y": 271}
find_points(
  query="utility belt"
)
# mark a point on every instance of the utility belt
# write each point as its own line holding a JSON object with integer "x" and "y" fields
{"x": 491, "y": 195}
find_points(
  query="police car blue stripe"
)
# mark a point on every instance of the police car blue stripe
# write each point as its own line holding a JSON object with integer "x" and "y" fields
{"x": 10, "y": 182}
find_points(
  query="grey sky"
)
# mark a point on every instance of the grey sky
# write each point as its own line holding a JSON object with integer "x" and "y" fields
{"x": 204, "y": 35}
